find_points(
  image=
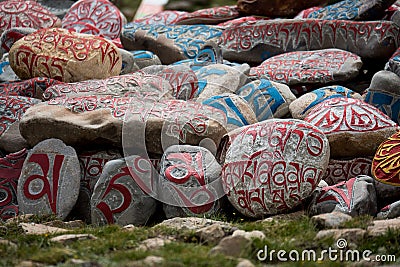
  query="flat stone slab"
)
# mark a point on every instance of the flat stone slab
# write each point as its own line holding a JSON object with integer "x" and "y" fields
{"x": 49, "y": 181}
{"x": 40, "y": 229}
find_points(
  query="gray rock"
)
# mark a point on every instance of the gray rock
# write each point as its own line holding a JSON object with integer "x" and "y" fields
{"x": 350, "y": 235}
{"x": 70, "y": 238}
{"x": 193, "y": 223}
{"x": 211, "y": 234}
{"x": 330, "y": 220}
{"x": 390, "y": 211}
{"x": 255, "y": 234}
{"x": 117, "y": 198}
{"x": 245, "y": 263}
{"x": 49, "y": 181}
{"x": 232, "y": 246}
{"x": 154, "y": 243}
{"x": 57, "y": 7}
{"x": 40, "y": 229}
{"x": 380, "y": 227}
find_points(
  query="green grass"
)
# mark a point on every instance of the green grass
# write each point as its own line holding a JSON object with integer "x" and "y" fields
{"x": 117, "y": 247}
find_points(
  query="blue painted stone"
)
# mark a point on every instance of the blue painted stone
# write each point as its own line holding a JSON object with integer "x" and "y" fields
{"x": 170, "y": 43}
{"x": 302, "y": 106}
{"x": 268, "y": 99}
{"x": 353, "y": 10}
{"x": 237, "y": 110}
{"x": 383, "y": 93}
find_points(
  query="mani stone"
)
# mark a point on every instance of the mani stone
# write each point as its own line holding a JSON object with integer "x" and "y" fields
{"x": 353, "y": 10}
{"x": 170, "y": 43}
{"x": 302, "y": 106}
{"x": 129, "y": 85}
{"x": 92, "y": 164}
{"x": 10, "y": 36}
{"x": 270, "y": 167}
{"x": 213, "y": 15}
{"x": 28, "y": 88}
{"x": 65, "y": 56}
{"x": 393, "y": 64}
{"x": 353, "y": 127}
{"x": 10, "y": 170}
{"x": 217, "y": 79}
{"x": 237, "y": 109}
{"x": 182, "y": 79}
{"x": 103, "y": 120}
{"x": 310, "y": 67}
{"x": 267, "y": 99}
{"x": 277, "y": 8}
{"x": 390, "y": 211}
{"x": 384, "y": 94}
{"x": 165, "y": 17}
{"x": 29, "y": 14}
{"x": 145, "y": 59}
{"x": 385, "y": 163}
{"x": 57, "y": 7}
{"x": 376, "y": 40}
{"x": 355, "y": 197}
{"x": 12, "y": 108}
{"x": 49, "y": 181}
{"x": 189, "y": 182}
{"x": 343, "y": 170}
{"x": 118, "y": 199}
{"x": 98, "y": 17}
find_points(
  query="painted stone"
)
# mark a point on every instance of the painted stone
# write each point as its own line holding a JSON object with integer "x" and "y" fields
{"x": 242, "y": 20}
{"x": 353, "y": 10}
{"x": 10, "y": 36}
{"x": 393, "y": 64}
{"x": 277, "y": 8}
{"x": 101, "y": 15}
{"x": 130, "y": 85}
{"x": 218, "y": 79}
{"x": 306, "y": 12}
{"x": 303, "y": 105}
{"x": 65, "y": 56}
{"x": 169, "y": 43}
{"x": 386, "y": 193}
{"x": 182, "y": 79}
{"x": 6, "y": 72}
{"x": 343, "y": 170}
{"x": 49, "y": 181}
{"x": 29, "y": 88}
{"x": 389, "y": 212}
{"x": 195, "y": 171}
{"x": 355, "y": 197}
{"x": 92, "y": 164}
{"x": 353, "y": 127}
{"x": 118, "y": 199}
{"x": 103, "y": 120}
{"x": 303, "y": 67}
{"x": 145, "y": 59}
{"x": 384, "y": 165}
{"x": 57, "y": 7}
{"x": 383, "y": 93}
{"x": 376, "y": 40}
{"x": 10, "y": 170}
{"x": 12, "y": 108}
{"x": 15, "y": 13}
{"x": 267, "y": 99}
{"x": 237, "y": 109}
{"x": 272, "y": 166}
{"x": 166, "y": 17}
{"x": 213, "y": 15}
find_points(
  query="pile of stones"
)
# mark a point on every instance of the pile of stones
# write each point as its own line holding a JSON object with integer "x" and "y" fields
{"x": 264, "y": 107}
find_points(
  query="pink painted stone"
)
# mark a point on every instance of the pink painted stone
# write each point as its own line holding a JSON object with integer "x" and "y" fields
{"x": 49, "y": 181}
{"x": 95, "y": 16}
{"x": 14, "y": 13}
{"x": 353, "y": 127}
{"x": 10, "y": 170}
{"x": 166, "y": 17}
{"x": 343, "y": 170}
{"x": 130, "y": 85}
{"x": 272, "y": 166}
{"x": 304, "y": 67}
{"x": 242, "y": 20}
{"x": 213, "y": 15}
{"x": 65, "y": 56}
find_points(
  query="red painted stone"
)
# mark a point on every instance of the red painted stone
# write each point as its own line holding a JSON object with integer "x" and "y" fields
{"x": 212, "y": 15}
{"x": 29, "y": 88}
{"x": 385, "y": 165}
{"x": 343, "y": 170}
{"x": 95, "y": 16}
{"x": 166, "y": 17}
{"x": 271, "y": 166}
{"x": 30, "y": 14}
{"x": 10, "y": 170}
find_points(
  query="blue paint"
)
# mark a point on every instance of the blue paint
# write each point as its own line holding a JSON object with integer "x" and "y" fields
{"x": 386, "y": 103}
{"x": 3, "y": 66}
{"x": 189, "y": 38}
{"x": 142, "y": 54}
{"x": 202, "y": 74}
{"x": 264, "y": 91}
{"x": 215, "y": 102}
{"x": 344, "y": 10}
{"x": 320, "y": 95}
